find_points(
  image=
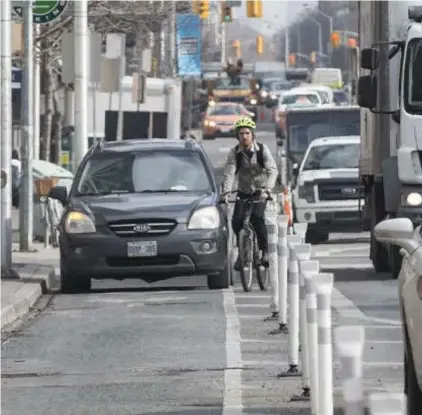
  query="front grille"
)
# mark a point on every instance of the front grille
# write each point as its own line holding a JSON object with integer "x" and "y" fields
{"x": 231, "y": 99}
{"x": 143, "y": 262}
{"x": 339, "y": 191}
{"x": 143, "y": 227}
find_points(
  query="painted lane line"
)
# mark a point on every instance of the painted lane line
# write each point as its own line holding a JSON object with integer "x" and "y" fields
{"x": 232, "y": 400}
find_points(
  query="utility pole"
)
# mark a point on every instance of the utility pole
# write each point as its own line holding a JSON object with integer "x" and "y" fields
{"x": 37, "y": 94}
{"x": 6, "y": 134}
{"x": 286, "y": 46}
{"x": 82, "y": 42}
{"x": 122, "y": 71}
{"x": 26, "y": 198}
{"x": 172, "y": 39}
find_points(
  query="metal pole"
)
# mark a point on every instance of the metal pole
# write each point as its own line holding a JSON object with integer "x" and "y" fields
{"x": 80, "y": 30}
{"x": 37, "y": 95}
{"x": 94, "y": 110}
{"x": 26, "y": 190}
{"x": 223, "y": 43}
{"x": 6, "y": 134}
{"x": 286, "y": 47}
{"x": 172, "y": 38}
{"x": 120, "y": 114}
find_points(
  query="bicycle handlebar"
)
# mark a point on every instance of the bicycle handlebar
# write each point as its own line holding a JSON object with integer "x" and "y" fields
{"x": 250, "y": 199}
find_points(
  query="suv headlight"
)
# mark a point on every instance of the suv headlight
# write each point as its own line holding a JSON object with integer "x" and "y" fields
{"x": 306, "y": 191}
{"x": 411, "y": 199}
{"x": 78, "y": 222}
{"x": 205, "y": 218}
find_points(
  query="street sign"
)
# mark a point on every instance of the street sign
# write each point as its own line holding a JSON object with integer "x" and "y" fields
{"x": 16, "y": 78}
{"x": 233, "y": 3}
{"x": 45, "y": 11}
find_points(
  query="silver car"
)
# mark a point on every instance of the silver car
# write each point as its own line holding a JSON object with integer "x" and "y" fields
{"x": 400, "y": 232}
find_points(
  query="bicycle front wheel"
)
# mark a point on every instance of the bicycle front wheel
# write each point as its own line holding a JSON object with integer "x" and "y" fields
{"x": 261, "y": 271}
{"x": 246, "y": 260}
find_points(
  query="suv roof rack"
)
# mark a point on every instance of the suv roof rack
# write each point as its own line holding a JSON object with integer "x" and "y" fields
{"x": 189, "y": 145}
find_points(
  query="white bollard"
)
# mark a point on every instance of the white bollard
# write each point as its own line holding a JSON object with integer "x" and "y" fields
{"x": 282, "y": 256}
{"x": 387, "y": 404}
{"x": 349, "y": 341}
{"x": 301, "y": 229}
{"x": 309, "y": 269}
{"x": 272, "y": 270}
{"x": 324, "y": 287}
{"x": 303, "y": 254}
{"x": 293, "y": 319}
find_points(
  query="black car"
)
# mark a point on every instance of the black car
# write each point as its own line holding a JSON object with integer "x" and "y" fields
{"x": 144, "y": 209}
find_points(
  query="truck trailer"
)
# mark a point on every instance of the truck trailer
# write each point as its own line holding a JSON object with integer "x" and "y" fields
{"x": 390, "y": 97}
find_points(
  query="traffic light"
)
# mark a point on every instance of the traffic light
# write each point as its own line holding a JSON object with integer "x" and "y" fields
{"x": 254, "y": 8}
{"x": 259, "y": 45}
{"x": 226, "y": 13}
{"x": 204, "y": 9}
{"x": 236, "y": 47}
{"x": 335, "y": 39}
{"x": 312, "y": 57}
{"x": 352, "y": 43}
{"x": 292, "y": 60}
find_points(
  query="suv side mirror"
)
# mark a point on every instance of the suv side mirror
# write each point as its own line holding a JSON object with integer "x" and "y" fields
{"x": 367, "y": 91}
{"x": 59, "y": 193}
{"x": 295, "y": 169}
{"x": 369, "y": 59}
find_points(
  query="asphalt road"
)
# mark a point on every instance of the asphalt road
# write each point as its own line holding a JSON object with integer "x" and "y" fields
{"x": 129, "y": 348}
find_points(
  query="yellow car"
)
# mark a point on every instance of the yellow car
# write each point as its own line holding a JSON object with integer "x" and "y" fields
{"x": 220, "y": 117}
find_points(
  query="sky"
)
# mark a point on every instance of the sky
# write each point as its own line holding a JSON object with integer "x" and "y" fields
{"x": 276, "y": 14}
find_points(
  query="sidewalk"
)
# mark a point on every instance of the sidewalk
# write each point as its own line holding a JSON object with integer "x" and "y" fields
{"x": 35, "y": 274}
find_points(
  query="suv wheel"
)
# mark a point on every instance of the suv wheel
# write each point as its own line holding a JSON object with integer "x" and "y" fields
{"x": 73, "y": 284}
{"x": 222, "y": 279}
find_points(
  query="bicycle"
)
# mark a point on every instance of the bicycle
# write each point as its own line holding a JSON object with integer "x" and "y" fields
{"x": 248, "y": 247}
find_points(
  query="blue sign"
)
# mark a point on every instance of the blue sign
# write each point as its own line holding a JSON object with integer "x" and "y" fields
{"x": 16, "y": 78}
{"x": 188, "y": 40}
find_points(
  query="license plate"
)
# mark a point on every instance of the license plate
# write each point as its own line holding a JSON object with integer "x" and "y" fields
{"x": 142, "y": 248}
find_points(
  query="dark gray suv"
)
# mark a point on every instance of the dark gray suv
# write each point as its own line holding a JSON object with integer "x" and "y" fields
{"x": 144, "y": 209}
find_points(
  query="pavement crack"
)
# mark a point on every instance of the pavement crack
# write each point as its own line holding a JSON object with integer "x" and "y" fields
{"x": 27, "y": 375}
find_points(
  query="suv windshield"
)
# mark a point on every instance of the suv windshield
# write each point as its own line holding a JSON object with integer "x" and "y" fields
{"x": 149, "y": 171}
{"x": 413, "y": 77}
{"x": 334, "y": 156}
{"x": 225, "y": 110}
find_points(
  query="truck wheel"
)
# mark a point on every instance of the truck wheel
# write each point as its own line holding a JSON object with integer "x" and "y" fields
{"x": 378, "y": 252}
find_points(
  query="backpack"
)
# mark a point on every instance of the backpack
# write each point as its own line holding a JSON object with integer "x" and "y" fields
{"x": 259, "y": 157}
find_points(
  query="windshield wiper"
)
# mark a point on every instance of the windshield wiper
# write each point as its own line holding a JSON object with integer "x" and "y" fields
{"x": 162, "y": 191}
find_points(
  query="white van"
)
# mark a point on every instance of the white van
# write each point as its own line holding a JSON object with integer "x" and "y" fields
{"x": 325, "y": 92}
{"x": 331, "y": 77}
{"x": 327, "y": 190}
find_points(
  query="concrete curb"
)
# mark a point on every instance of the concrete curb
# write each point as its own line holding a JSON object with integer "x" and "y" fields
{"x": 42, "y": 274}
{"x": 34, "y": 280}
{"x": 26, "y": 297}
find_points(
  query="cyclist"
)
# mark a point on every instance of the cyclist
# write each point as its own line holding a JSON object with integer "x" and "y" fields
{"x": 256, "y": 171}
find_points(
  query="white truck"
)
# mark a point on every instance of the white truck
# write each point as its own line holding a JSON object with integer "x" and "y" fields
{"x": 326, "y": 195}
{"x": 390, "y": 96}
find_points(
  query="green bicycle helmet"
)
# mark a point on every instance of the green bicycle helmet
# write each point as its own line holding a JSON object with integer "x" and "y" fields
{"x": 245, "y": 122}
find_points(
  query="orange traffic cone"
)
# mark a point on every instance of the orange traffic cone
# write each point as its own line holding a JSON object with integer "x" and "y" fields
{"x": 287, "y": 206}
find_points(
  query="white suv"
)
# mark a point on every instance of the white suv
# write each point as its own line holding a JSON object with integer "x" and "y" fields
{"x": 327, "y": 191}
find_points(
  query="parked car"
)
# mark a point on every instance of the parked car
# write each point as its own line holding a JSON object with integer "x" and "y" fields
{"x": 400, "y": 232}
{"x": 143, "y": 209}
